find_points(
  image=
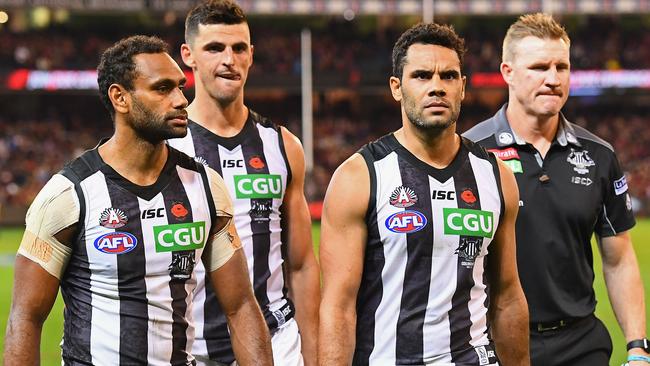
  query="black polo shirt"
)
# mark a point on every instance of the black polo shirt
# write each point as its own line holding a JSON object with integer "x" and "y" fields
{"x": 578, "y": 189}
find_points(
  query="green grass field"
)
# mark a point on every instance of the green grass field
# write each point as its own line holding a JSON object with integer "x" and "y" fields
{"x": 50, "y": 352}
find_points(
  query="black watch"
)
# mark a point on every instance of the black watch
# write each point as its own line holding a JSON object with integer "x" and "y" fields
{"x": 639, "y": 343}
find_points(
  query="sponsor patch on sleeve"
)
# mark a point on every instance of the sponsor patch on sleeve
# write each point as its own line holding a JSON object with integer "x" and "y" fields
{"x": 620, "y": 186}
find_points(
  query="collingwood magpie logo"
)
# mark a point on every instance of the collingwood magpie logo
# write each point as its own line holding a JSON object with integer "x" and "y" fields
{"x": 580, "y": 160}
{"x": 260, "y": 210}
{"x": 468, "y": 250}
{"x": 182, "y": 265}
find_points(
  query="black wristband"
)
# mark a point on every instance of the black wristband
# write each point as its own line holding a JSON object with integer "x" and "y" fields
{"x": 639, "y": 343}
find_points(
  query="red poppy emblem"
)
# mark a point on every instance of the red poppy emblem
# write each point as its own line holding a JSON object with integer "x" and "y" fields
{"x": 468, "y": 196}
{"x": 178, "y": 210}
{"x": 256, "y": 162}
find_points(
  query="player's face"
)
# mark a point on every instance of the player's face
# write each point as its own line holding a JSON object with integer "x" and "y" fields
{"x": 538, "y": 75}
{"x": 221, "y": 55}
{"x": 158, "y": 105}
{"x": 431, "y": 88}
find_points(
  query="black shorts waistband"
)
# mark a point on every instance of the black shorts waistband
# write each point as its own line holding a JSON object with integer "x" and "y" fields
{"x": 557, "y": 324}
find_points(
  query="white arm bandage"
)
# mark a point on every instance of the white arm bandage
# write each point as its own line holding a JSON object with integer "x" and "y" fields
{"x": 222, "y": 245}
{"x": 55, "y": 208}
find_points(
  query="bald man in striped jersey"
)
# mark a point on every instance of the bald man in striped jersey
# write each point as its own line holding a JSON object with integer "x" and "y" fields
{"x": 418, "y": 242}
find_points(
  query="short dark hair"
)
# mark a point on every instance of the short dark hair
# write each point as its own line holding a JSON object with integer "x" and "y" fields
{"x": 426, "y": 33}
{"x": 118, "y": 67}
{"x": 212, "y": 12}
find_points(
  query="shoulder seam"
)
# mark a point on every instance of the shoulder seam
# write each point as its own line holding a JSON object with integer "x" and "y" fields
{"x": 583, "y": 133}
{"x": 480, "y": 131}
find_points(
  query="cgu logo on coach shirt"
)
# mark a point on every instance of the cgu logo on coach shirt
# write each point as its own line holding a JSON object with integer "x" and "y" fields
{"x": 258, "y": 186}
{"x": 406, "y": 222}
{"x": 117, "y": 242}
{"x": 462, "y": 221}
{"x": 175, "y": 237}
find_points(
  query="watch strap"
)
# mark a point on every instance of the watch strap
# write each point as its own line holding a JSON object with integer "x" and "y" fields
{"x": 639, "y": 343}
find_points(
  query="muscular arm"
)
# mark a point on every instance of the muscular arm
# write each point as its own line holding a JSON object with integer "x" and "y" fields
{"x": 249, "y": 334}
{"x": 225, "y": 262}
{"x": 624, "y": 285}
{"x": 343, "y": 237}
{"x": 303, "y": 276}
{"x": 34, "y": 294}
{"x": 508, "y": 307}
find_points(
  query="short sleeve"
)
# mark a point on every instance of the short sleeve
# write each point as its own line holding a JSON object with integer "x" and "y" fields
{"x": 616, "y": 215}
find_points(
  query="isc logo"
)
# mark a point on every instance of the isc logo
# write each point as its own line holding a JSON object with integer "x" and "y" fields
{"x": 406, "y": 222}
{"x": 153, "y": 213}
{"x": 232, "y": 163}
{"x": 116, "y": 243}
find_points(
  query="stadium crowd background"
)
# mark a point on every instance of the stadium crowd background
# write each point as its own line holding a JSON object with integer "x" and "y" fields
{"x": 39, "y": 131}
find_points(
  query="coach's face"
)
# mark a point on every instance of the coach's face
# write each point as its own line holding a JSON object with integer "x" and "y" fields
{"x": 220, "y": 55}
{"x": 538, "y": 75}
{"x": 431, "y": 88}
{"x": 156, "y": 106}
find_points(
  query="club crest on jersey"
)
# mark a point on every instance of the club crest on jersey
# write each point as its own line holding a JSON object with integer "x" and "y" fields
{"x": 201, "y": 159}
{"x": 468, "y": 250}
{"x": 403, "y": 197}
{"x": 468, "y": 196}
{"x": 405, "y": 222}
{"x": 113, "y": 218}
{"x": 256, "y": 162}
{"x": 117, "y": 242}
{"x": 580, "y": 160}
{"x": 178, "y": 210}
{"x": 182, "y": 265}
{"x": 260, "y": 210}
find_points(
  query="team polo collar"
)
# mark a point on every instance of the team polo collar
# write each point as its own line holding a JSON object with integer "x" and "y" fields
{"x": 505, "y": 136}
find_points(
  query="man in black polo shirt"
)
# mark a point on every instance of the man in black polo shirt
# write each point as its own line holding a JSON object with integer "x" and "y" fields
{"x": 571, "y": 186}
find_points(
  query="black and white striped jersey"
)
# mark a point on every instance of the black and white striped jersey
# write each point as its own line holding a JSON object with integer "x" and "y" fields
{"x": 256, "y": 171}
{"x": 423, "y": 296}
{"x": 129, "y": 282}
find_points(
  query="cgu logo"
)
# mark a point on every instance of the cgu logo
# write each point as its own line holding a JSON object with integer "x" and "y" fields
{"x": 117, "y": 242}
{"x": 467, "y": 222}
{"x": 258, "y": 186}
{"x": 406, "y": 222}
{"x": 175, "y": 237}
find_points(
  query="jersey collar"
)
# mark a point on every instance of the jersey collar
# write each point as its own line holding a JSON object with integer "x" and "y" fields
{"x": 505, "y": 136}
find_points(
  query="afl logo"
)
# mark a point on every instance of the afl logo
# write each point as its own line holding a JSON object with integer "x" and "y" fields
{"x": 406, "y": 222}
{"x": 117, "y": 242}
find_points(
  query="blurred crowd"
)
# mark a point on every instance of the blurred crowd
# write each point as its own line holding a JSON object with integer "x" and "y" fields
{"x": 345, "y": 54}
{"x": 32, "y": 150}
{"x": 339, "y": 47}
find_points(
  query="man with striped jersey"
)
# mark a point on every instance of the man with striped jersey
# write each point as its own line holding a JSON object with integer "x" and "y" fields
{"x": 263, "y": 167}
{"x": 121, "y": 228}
{"x": 418, "y": 245}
